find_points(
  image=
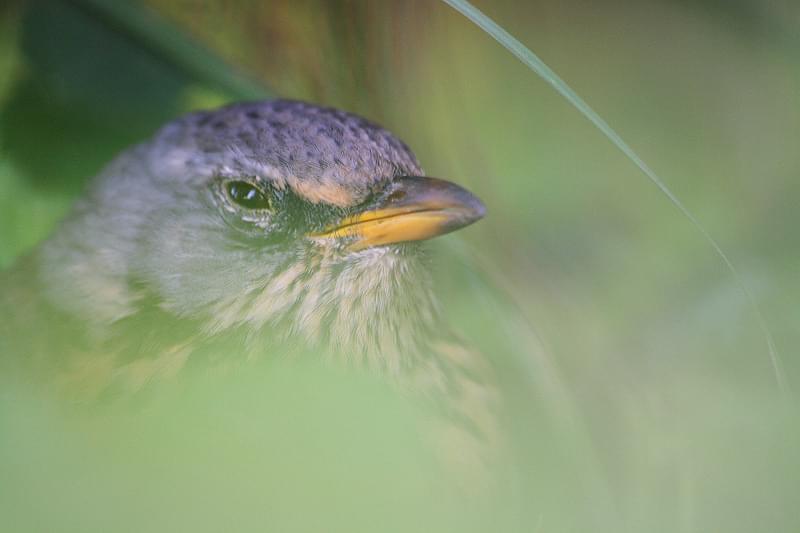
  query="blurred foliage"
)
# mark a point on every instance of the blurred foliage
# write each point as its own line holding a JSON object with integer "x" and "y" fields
{"x": 667, "y": 414}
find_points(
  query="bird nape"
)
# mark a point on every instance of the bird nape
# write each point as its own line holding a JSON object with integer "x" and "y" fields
{"x": 265, "y": 226}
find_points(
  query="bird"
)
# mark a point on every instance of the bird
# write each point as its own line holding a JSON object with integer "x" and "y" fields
{"x": 265, "y": 225}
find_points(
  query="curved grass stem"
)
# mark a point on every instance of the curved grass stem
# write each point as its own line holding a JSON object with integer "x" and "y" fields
{"x": 533, "y": 62}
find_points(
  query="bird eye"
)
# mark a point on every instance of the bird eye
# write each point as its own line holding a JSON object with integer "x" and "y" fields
{"x": 246, "y": 195}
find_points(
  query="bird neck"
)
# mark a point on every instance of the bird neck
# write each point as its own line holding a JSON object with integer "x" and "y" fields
{"x": 374, "y": 308}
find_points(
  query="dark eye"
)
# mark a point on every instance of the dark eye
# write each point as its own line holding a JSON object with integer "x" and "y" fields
{"x": 246, "y": 195}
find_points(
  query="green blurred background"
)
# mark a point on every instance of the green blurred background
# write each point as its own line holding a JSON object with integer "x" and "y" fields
{"x": 647, "y": 345}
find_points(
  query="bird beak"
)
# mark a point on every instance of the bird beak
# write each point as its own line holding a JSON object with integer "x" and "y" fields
{"x": 411, "y": 209}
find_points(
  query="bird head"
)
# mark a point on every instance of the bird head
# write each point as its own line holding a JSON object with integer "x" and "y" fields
{"x": 278, "y": 214}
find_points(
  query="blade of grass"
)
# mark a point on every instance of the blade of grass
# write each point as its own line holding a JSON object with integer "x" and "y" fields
{"x": 533, "y": 62}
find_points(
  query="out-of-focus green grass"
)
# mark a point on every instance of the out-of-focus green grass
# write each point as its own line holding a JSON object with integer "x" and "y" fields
{"x": 281, "y": 448}
{"x": 650, "y": 353}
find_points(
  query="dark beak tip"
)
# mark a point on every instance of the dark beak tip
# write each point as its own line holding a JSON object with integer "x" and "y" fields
{"x": 470, "y": 207}
{"x": 478, "y": 209}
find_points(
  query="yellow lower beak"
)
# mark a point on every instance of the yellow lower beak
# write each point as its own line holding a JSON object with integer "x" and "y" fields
{"x": 412, "y": 209}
